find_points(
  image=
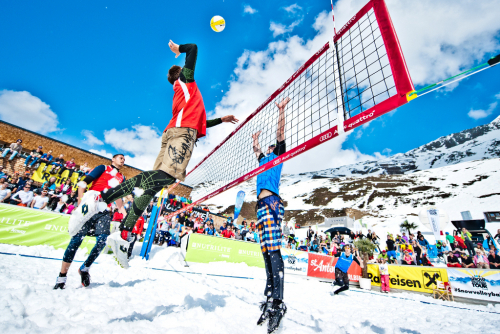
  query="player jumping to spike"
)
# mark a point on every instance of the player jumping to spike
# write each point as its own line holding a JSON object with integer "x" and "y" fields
{"x": 188, "y": 123}
{"x": 270, "y": 212}
{"x": 102, "y": 178}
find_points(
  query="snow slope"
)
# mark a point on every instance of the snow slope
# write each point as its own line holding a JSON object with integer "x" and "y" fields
{"x": 141, "y": 300}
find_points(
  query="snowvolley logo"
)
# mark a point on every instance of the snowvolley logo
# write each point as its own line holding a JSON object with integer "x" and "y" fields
{"x": 479, "y": 282}
{"x": 292, "y": 259}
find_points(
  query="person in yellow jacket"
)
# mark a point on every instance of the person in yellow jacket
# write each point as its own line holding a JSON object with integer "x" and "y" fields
{"x": 468, "y": 241}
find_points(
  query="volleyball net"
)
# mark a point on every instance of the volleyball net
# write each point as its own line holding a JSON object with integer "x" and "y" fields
{"x": 359, "y": 75}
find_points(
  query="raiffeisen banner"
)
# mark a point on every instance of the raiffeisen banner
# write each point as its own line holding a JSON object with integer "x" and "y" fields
{"x": 30, "y": 227}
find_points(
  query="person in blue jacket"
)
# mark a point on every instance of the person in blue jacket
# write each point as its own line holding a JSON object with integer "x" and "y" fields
{"x": 270, "y": 213}
{"x": 341, "y": 268}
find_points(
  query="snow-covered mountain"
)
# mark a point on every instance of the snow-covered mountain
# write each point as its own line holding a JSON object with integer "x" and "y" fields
{"x": 481, "y": 142}
{"x": 458, "y": 172}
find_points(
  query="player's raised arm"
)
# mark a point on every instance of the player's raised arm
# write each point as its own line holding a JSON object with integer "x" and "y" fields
{"x": 280, "y": 131}
{"x": 256, "y": 145}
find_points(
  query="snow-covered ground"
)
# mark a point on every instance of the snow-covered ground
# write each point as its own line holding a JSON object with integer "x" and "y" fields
{"x": 195, "y": 300}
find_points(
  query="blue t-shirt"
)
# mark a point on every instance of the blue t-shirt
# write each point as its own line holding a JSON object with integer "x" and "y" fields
{"x": 270, "y": 179}
{"x": 344, "y": 262}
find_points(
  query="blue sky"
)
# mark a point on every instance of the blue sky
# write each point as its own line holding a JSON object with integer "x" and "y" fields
{"x": 99, "y": 68}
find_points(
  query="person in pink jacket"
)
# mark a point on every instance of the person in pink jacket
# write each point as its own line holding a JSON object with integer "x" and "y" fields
{"x": 481, "y": 261}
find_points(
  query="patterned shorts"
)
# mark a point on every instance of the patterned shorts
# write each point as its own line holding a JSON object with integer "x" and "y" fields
{"x": 270, "y": 212}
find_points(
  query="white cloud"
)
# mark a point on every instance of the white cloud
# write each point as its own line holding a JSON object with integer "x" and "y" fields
{"x": 90, "y": 139}
{"x": 292, "y": 8}
{"x": 481, "y": 113}
{"x": 280, "y": 29}
{"x": 103, "y": 153}
{"x": 249, "y": 10}
{"x": 142, "y": 142}
{"x": 27, "y": 111}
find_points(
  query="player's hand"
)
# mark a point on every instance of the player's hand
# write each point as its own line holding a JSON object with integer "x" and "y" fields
{"x": 229, "y": 119}
{"x": 283, "y": 103}
{"x": 256, "y": 135}
{"x": 175, "y": 48}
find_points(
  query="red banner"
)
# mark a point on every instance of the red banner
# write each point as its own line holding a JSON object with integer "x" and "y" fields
{"x": 322, "y": 266}
{"x": 354, "y": 272}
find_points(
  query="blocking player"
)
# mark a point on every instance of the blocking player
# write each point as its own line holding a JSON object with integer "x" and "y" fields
{"x": 270, "y": 212}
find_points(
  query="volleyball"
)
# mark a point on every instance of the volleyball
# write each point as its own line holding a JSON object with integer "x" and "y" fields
{"x": 217, "y": 23}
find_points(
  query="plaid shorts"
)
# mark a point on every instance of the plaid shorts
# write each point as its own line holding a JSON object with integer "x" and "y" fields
{"x": 270, "y": 212}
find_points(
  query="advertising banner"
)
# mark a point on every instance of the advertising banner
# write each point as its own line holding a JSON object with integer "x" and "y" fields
{"x": 205, "y": 249}
{"x": 240, "y": 197}
{"x": 433, "y": 215}
{"x": 296, "y": 262}
{"x": 354, "y": 272}
{"x": 30, "y": 227}
{"x": 321, "y": 266}
{"x": 40, "y": 176}
{"x": 475, "y": 283}
{"x": 415, "y": 278}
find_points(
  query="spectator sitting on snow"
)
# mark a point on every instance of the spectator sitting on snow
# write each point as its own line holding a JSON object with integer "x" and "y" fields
{"x": 228, "y": 233}
{"x": 67, "y": 187}
{"x": 35, "y": 155}
{"x": 23, "y": 197}
{"x": 4, "y": 192}
{"x": 494, "y": 260}
{"x": 407, "y": 259}
{"x": 453, "y": 261}
{"x": 223, "y": 227}
{"x": 51, "y": 183}
{"x": 200, "y": 229}
{"x": 15, "y": 148}
{"x": 61, "y": 205}
{"x": 237, "y": 234}
{"x": 40, "y": 201}
{"x": 481, "y": 261}
{"x": 302, "y": 247}
{"x": 210, "y": 230}
{"x": 467, "y": 261}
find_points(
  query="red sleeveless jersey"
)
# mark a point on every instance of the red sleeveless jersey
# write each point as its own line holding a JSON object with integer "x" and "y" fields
{"x": 109, "y": 179}
{"x": 188, "y": 110}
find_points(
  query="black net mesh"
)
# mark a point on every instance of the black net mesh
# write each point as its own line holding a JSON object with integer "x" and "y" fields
{"x": 315, "y": 100}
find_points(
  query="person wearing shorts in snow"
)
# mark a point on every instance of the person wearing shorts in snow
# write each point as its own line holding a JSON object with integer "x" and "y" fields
{"x": 270, "y": 212}
{"x": 102, "y": 178}
{"x": 188, "y": 123}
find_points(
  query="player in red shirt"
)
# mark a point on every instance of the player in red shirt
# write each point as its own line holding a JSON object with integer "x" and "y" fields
{"x": 102, "y": 178}
{"x": 136, "y": 234}
{"x": 187, "y": 125}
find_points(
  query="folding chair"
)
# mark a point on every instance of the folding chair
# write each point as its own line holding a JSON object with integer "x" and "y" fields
{"x": 443, "y": 291}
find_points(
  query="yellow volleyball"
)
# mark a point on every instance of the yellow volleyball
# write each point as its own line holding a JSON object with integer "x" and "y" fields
{"x": 217, "y": 23}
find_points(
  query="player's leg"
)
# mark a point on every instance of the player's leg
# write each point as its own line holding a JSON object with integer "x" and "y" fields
{"x": 69, "y": 255}
{"x": 175, "y": 153}
{"x": 267, "y": 304}
{"x": 344, "y": 277}
{"x": 101, "y": 223}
